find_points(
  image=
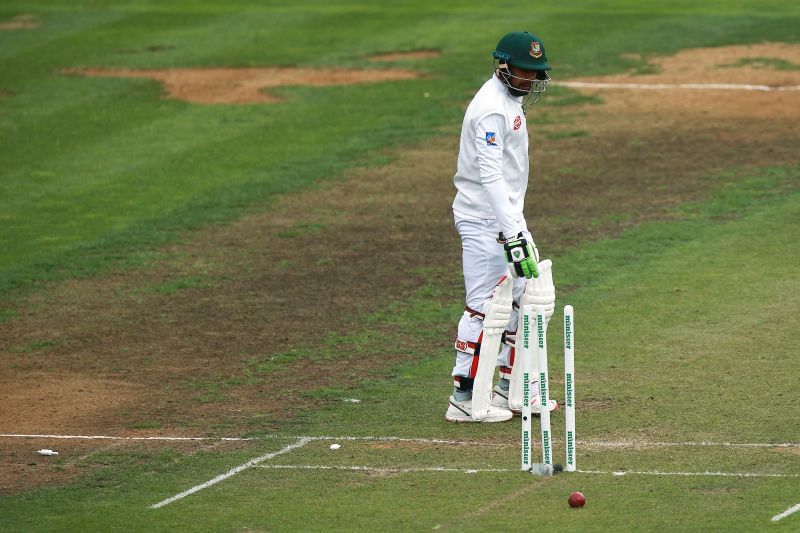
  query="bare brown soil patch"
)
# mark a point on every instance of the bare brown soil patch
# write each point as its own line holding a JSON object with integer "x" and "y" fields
{"x": 262, "y": 298}
{"x": 53, "y": 395}
{"x": 744, "y": 64}
{"x": 20, "y": 22}
{"x": 246, "y": 85}
{"x": 400, "y": 56}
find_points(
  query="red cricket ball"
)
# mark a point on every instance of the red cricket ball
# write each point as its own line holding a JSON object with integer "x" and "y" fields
{"x": 577, "y": 499}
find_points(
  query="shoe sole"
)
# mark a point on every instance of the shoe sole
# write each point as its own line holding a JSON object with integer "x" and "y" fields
{"x": 469, "y": 420}
{"x": 459, "y": 420}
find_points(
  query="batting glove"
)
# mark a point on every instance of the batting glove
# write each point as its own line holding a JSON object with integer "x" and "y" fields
{"x": 521, "y": 257}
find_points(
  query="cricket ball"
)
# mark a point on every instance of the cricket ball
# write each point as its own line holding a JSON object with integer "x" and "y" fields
{"x": 577, "y": 499}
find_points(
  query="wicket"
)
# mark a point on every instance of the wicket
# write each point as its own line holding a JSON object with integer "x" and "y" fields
{"x": 569, "y": 389}
{"x": 524, "y": 358}
{"x": 544, "y": 388}
{"x": 532, "y": 315}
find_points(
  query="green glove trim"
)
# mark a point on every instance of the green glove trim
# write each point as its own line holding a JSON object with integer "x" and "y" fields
{"x": 519, "y": 254}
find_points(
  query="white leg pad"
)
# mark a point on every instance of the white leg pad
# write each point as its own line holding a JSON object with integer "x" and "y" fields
{"x": 494, "y": 324}
{"x": 542, "y": 293}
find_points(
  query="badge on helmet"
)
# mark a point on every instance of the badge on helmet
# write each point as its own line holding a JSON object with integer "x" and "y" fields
{"x": 522, "y": 50}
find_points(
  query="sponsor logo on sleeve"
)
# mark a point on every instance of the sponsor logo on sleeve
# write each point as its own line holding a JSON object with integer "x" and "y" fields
{"x": 491, "y": 138}
{"x": 517, "y": 122}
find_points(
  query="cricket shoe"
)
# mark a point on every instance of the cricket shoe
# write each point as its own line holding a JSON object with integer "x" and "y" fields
{"x": 500, "y": 399}
{"x": 462, "y": 412}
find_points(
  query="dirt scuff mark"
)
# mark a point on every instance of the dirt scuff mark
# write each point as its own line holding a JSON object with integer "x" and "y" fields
{"x": 80, "y": 397}
{"x": 245, "y": 85}
{"x": 25, "y": 21}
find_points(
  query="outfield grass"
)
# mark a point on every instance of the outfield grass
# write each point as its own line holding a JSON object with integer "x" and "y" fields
{"x": 93, "y": 170}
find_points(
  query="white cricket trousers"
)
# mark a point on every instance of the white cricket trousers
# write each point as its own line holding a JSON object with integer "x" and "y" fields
{"x": 484, "y": 263}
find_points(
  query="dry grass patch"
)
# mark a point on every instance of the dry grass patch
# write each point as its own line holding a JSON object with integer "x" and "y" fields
{"x": 20, "y": 22}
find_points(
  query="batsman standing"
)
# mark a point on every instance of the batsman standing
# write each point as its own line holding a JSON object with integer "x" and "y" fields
{"x": 491, "y": 181}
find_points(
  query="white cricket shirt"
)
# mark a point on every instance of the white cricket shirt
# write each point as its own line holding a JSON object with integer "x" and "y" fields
{"x": 492, "y": 171}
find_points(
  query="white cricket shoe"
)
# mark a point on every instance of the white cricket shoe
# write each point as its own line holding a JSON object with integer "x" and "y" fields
{"x": 500, "y": 399}
{"x": 462, "y": 412}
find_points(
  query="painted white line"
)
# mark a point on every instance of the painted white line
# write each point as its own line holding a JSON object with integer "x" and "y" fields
{"x": 229, "y": 473}
{"x": 387, "y": 470}
{"x": 266, "y": 437}
{"x": 112, "y": 437}
{"x": 420, "y": 440}
{"x": 660, "y": 473}
{"x": 587, "y": 443}
{"x": 661, "y": 86}
{"x": 709, "y": 444}
{"x": 384, "y": 469}
{"x": 786, "y": 513}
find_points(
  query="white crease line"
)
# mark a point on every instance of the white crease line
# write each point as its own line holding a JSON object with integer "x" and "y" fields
{"x": 421, "y": 440}
{"x": 710, "y": 444}
{"x": 112, "y": 437}
{"x": 229, "y": 473}
{"x": 713, "y": 86}
{"x": 503, "y": 470}
{"x": 660, "y": 473}
{"x": 786, "y": 513}
{"x": 266, "y": 437}
{"x": 597, "y": 444}
{"x": 387, "y": 470}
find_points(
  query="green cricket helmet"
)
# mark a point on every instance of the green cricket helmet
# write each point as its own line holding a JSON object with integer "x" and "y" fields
{"x": 526, "y": 51}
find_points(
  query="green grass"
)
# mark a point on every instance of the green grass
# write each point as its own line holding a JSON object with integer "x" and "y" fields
{"x": 151, "y": 168}
{"x": 188, "y": 282}
{"x": 35, "y": 346}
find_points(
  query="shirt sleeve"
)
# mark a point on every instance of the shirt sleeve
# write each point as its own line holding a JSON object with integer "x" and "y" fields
{"x": 489, "y": 136}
